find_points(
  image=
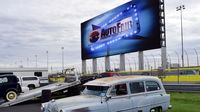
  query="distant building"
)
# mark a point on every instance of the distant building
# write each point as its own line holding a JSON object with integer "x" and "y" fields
{"x": 40, "y": 72}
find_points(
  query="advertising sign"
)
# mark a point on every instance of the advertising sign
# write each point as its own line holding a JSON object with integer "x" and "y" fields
{"x": 131, "y": 27}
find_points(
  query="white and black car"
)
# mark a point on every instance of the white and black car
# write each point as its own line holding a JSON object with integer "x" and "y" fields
{"x": 31, "y": 82}
{"x": 115, "y": 94}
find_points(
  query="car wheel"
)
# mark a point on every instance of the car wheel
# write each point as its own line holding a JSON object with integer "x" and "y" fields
{"x": 11, "y": 95}
{"x": 31, "y": 87}
{"x": 157, "y": 109}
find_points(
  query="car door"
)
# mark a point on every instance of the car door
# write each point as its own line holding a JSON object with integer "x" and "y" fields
{"x": 5, "y": 85}
{"x": 138, "y": 96}
{"x": 2, "y": 86}
{"x": 154, "y": 94}
{"x": 120, "y": 100}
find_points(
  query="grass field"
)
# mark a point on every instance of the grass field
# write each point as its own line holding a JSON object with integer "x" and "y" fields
{"x": 185, "y": 102}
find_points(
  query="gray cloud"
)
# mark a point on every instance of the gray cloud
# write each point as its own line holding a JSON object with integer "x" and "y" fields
{"x": 31, "y": 27}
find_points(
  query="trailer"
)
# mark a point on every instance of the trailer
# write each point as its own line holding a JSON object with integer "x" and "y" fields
{"x": 28, "y": 71}
{"x": 35, "y": 93}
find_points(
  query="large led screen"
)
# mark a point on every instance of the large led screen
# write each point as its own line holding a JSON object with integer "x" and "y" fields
{"x": 131, "y": 27}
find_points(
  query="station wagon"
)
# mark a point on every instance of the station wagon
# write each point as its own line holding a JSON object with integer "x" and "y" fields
{"x": 115, "y": 94}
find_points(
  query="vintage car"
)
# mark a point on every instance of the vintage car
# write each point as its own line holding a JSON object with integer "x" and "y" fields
{"x": 115, "y": 94}
{"x": 9, "y": 87}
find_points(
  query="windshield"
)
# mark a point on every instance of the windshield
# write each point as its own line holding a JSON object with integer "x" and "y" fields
{"x": 95, "y": 90}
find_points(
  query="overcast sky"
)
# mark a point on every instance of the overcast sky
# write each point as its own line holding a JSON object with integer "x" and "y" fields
{"x": 31, "y": 27}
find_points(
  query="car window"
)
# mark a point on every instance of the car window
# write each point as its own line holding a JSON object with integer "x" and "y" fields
{"x": 29, "y": 78}
{"x": 152, "y": 86}
{"x": 137, "y": 87}
{"x": 191, "y": 72}
{"x": 12, "y": 79}
{"x": 119, "y": 90}
{"x": 3, "y": 80}
{"x": 38, "y": 74}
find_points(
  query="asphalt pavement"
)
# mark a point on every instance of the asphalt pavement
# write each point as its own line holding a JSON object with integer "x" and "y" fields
{"x": 31, "y": 106}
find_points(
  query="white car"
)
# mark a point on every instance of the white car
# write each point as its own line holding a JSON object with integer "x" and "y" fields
{"x": 31, "y": 82}
{"x": 116, "y": 94}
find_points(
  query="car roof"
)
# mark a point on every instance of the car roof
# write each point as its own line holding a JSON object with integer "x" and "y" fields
{"x": 5, "y": 75}
{"x": 108, "y": 81}
{"x": 27, "y": 76}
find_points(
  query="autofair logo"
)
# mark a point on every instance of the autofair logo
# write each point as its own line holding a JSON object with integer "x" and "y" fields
{"x": 108, "y": 31}
{"x": 3, "y": 80}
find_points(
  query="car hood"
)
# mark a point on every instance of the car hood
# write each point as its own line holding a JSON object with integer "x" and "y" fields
{"x": 70, "y": 102}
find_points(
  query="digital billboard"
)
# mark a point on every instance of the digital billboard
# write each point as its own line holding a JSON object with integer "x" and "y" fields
{"x": 131, "y": 27}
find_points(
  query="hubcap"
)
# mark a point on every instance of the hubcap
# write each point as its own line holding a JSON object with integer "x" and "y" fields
{"x": 11, "y": 96}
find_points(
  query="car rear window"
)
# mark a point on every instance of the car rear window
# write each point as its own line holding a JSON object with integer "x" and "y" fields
{"x": 29, "y": 78}
{"x": 137, "y": 87}
{"x": 152, "y": 86}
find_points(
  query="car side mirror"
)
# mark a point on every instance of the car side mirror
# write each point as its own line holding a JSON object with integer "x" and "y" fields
{"x": 108, "y": 97}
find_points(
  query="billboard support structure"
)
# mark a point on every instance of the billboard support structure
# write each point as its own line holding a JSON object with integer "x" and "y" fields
{"x": 83, "y": 66}
{"x": 122, "y": 62}
{"x": 141, "y": 60}
{"x": 107, "y": 63}
{"x": 163, "y": 35}
{"x": 94, "y": 65}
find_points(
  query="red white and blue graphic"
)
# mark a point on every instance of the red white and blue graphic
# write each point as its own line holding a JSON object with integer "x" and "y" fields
{"x": 131, "y": 27}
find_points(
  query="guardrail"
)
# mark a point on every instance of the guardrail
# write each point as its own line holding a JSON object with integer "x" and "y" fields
{"x": 182, "y": 87}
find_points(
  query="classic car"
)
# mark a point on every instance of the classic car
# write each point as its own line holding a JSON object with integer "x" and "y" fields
{"x": 115, "y": 94}
{"x": 9, "y": 87}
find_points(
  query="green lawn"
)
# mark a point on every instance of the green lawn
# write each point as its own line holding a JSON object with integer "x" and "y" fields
{"x": 185, "y": 102}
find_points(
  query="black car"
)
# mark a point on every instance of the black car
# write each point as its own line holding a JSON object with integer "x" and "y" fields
{"x": 9, "y": 87}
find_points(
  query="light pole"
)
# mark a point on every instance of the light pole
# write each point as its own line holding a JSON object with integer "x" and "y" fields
{"x": 62, "y": 48}
{"x": 197, "y": 56}
{"x": 36, "y": 61}
{"x": 178, "y": 66}
{"x": 188, "y": 63}
{"x": 47, "y": 60}
{"x": 180, "y": 8}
